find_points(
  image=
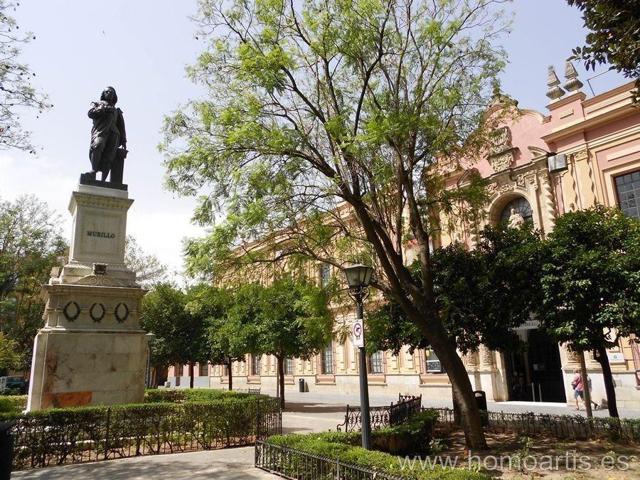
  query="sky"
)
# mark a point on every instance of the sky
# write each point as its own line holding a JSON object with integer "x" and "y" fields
{"x": 142, "y": 47}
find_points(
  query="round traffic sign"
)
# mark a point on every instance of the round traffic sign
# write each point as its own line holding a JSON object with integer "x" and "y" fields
{"x": 357, "y": 329}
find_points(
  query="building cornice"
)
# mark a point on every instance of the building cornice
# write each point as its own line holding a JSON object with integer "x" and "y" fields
{"x": 610, "y": 93}
{"x": 580, "y": 127}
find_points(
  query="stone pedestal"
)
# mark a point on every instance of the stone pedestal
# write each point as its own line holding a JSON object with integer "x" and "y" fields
{"x": 91, "y": 350}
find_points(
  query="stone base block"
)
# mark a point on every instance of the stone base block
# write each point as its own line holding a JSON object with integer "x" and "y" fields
{"x": 74, "y": 368}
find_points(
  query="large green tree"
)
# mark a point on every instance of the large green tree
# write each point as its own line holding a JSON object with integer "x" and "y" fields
{"x": 293, "y": 321}
{"x": 614, "y": 36}
{"x": 230, "y": 317}
{"x": 30, "y": 243}
{"x": 180, "y": 335}
{"x": 324, "y": 132}
{"x": 591, "y": 284}
{"x": 16, "y": 90}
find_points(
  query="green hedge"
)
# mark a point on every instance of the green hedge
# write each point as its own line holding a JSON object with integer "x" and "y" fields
{"x": 75, "y": 435}
{"x": 182, "y": 395}
{"x": 339, "y": 447}
{"x": 410, "y": 438}
{"x": 13, "y": 403}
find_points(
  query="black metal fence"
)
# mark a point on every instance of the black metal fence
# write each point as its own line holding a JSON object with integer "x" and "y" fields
{"x": 298, "y": 465}
{"x": 570, "y": 427}
{"x": 380, "y": 417}
{"x": 57, "y": 437}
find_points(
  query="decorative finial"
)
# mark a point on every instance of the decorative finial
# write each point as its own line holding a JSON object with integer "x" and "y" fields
{"x": 555, "y": 92}
{"x": 573, "y": 84}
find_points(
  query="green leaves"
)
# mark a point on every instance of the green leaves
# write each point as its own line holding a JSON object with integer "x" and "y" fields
{"x": 591, "y": 281}
{"x": 179, "y": 328}
{"x": 15, "y": 78}
{"x": 315, "y": 104}
{"x": 30, "y": 243}
{"x": 614, "y": 38}
{"x": 9, "y": 356}
{"x": 292, "y": 319}
{"x": 482, "y": 294}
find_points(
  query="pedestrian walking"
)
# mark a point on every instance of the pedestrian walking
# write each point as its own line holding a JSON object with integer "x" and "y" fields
{"x": 578, "y": 388}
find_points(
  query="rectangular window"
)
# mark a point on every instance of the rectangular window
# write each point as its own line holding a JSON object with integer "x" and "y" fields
{"x": 433, "y": 362}
{"x": 326, "y": 360}
{"x": 256, "y": 365}
{"x": 628, "y": 189}
{"x": 376, "y": 363}
{"x": 178, "y": 369}
{"x": 203, "y": 369}
{"x": 325, "y": 274}
{"x": 288, "y": 366}
{"x": 225, "y": 370}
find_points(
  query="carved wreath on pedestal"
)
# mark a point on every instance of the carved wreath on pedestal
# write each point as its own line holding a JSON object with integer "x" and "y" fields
{"x": 97, "y": 312}
{"x": 71, "y": 310}
{"x": 121, "y": 312}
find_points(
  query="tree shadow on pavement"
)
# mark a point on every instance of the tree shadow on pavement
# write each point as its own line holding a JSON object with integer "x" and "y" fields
{"x": 169, "y": 467}
{"x": 310, "y": 407}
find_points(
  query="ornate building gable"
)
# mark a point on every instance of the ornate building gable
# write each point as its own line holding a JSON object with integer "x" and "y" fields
{"x": 502, "y": 153}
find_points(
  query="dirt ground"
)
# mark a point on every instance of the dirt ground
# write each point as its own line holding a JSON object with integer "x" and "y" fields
{"x": 518, "y": 458}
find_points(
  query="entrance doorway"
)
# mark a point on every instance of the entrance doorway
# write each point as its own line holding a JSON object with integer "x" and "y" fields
{"x": 535, "y": 373}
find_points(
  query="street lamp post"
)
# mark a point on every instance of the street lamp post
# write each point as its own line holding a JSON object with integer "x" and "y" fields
{"x": 358, "y": 279}
{"x": 150, "y": 338}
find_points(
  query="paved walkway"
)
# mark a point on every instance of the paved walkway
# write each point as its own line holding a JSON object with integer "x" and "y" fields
{"x": 375, "y": 399}
{"x": 227, "y": 464}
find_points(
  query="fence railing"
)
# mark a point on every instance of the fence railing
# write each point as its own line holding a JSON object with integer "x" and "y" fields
{"x": 298, "y": 465}
{"x": 90, "y": 434}
{"x": 380, "y": 417}
{"x": 571, "y": 427}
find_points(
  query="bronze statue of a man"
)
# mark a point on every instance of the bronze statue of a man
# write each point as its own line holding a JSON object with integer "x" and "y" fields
{"x": 108, "y": 137}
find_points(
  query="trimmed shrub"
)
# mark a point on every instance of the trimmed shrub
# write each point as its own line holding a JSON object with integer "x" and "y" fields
{"x": 13, "y": 403}
{"x": 75, "y": 435}
{"x": 341, "y": 449}
{"x": 410, "y": 438}
{"x": 173, "y": 395}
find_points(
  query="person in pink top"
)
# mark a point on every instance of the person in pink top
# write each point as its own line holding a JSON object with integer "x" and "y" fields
{"x": 578, "y": 388}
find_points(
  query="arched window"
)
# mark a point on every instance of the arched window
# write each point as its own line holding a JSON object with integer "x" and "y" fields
{"x": 519, "y": 205}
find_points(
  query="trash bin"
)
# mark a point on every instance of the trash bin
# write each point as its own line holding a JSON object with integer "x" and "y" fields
{"x": 481, "y": 402}
{"x": 301, "y": 385}
{"x": 6, "y": 450}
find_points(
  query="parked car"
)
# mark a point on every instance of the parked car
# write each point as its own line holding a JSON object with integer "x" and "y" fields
{"x": 17, "y": 385}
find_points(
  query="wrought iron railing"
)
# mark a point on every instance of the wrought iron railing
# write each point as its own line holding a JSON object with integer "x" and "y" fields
{"x": 298, "y": 465}
{"x": 573, "y": 427}
{"x": 380, "y": 417}
{"x": 69, "y": 436}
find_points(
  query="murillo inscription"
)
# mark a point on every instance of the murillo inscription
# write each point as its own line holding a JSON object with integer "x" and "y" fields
{"x": 101, "y": 234}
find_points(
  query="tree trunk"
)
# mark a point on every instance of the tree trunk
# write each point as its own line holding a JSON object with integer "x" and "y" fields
{"x": 191, "y": 374}
{"x": 280, "y": 387}
{"x": 609, "y": 387}
{"x": 461, "y": 386}
{"x": 230, "y": 374}
{"x": 456, "y": 408}
{"x": 585, "y": 385}
{"x": 154, "y": 377}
